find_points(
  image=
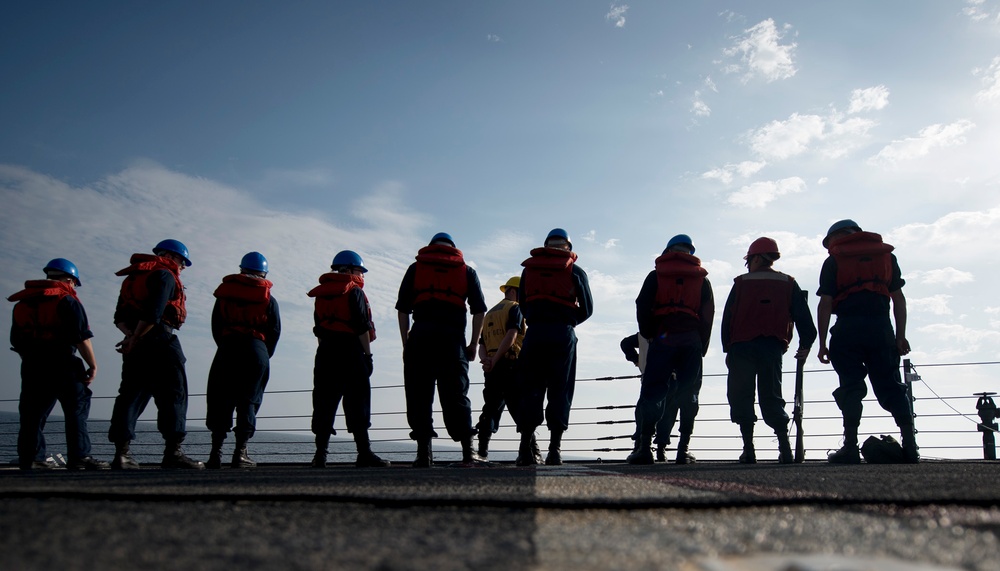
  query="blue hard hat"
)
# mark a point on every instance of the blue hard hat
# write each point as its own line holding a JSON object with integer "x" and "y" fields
{"x": 443, "y": 237}
{"x": 681, "y": 239}
{"x": 844, "y": 224}
{"x": 255, "y": 262}
{"x": 65, "y": 266}
{"x": 350, "y": 259}
{"x": 176, "y": 247}
{"x": 560, "y": 234}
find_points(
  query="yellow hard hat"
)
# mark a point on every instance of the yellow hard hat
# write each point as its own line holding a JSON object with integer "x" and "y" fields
{"x": 512, "y": 282}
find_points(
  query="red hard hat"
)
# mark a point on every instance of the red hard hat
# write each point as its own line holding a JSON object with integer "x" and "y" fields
{"x": 763, "y": 245}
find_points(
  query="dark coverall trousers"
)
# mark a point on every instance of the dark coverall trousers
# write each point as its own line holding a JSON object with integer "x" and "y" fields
{"x": 499, "y": 391}
{"x": 46, "y": 379}
{"x": 756, "y": 362}
{"x": 547, "y": 365}
{"x": 236, "y": 383}
{"x": 680, "y": 354}
{"x": 340, "y": 372}
{"x": 154, "y": 369}
{"x": 436, "y": 353}
{"x": 866, "y": 346}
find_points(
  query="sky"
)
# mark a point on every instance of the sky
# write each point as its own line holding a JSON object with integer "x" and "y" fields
{"x": 299, "y": 130}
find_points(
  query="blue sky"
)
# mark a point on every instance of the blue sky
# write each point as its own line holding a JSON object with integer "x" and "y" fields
{"x": 300, "y": 130}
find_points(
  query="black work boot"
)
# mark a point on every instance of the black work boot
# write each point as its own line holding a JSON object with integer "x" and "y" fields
{"x": 528, "y": 453}
{"x": 425, "y": 457}
{"x": 468, "y": 455}
{"x": 319, "y": 459}
{"x": 87, "y": 463}
{"x": 683, "y": 456}
{"x": 367, "y": 458}
{"x": 215, "y": 455}
{"x": 123, "y": 459}
{"x": 241, "y": 459}
{"x": 484, "y": 443}
{"x": 642, "y": 453}
{"x": 784, "y": 448}
{"x": 849, "y": 454}
{"x": 749, "y": 455}
{"x": 661, "y": 452}
{"x": 175, "y": 459}
{"x": 554, "y": 457}
{"x": 910, "y": 448}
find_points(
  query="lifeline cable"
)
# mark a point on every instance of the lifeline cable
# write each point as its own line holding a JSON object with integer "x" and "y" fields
{"x": 933, "y": 392}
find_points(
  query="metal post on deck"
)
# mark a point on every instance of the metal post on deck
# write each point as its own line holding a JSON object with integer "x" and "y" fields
{"x": 988, "y": 412}
{"x": 909, "y": 376}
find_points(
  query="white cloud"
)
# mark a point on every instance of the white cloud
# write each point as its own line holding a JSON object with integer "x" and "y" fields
{"x": 978, "y": 11}
{"x": 947, "y": 277}
{"x": 780, "y": 140}
{"x": 592, "y": 237}
{"x": 761, "y": 53}
{"x": 957, "y": 237}
{"x": 726, "y": 173}
{"x": 99, "y": 225}
{"x": 759, "y": 194}
{"x": 822, "y": 181}
{"x": 929, "y": 138}
{"x": 711, "y": 85}
{"x": 872, "y": 98}
{"x": 991, "y": 81}
{"x": 493, "y": 38}
{"x": 617, "y": 15}
{"x": 968, "y": 340}
{"x": 699, "y": 107}
{"x": 936, "y": 305}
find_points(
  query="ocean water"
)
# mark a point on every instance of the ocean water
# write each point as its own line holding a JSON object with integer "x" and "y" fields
{"x": 147, "y": 448}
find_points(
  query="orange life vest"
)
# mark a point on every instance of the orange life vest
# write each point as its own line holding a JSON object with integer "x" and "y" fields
{"x": 864, "y": 263}
{"x": 679, "y": 278}
{"x": 35, "y": 314}
{"x": 440, "y": 274}
{"x": 243, "y": 304}
{"x": 333, "y": 310}
{"x": 762, "y": 307}
{"x": 548, "y": 275}
{"x": 134, "y": 290}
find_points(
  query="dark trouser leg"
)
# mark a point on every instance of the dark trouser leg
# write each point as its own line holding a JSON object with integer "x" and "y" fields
{"x": 35, "y": 405}
{"x": 453, "y": 389}
{"x": 561, "y": 382}
{"x": 250, "y": 389}
{"x": 419, "y": 375}
{"x": 531, "y": 374}
{"x": 220, "y": 400}
{"x": 133, "y": 396}
{"x": 847, "y": 359}
{"x": 493, "y": 399}
{"x": 75, "y": 400}
{"x": 327, "y": 391}
{"x": 170, "y": 389}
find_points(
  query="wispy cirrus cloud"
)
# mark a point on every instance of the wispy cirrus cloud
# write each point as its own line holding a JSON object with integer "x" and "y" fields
{"x": 616, "y": 15}
{"x": 760, "y": 194}
{"x": 990, "y": 76}
{"x": 981, "y": 11}
{"x": 870, "y": 99}
{"x": 932, "y": 137}
{"x": 947, "y": 277}
{"x": 726, "y": 174}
